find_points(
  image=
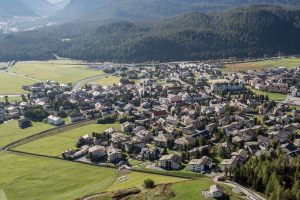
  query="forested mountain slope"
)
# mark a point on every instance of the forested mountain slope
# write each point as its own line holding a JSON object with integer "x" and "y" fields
{"x": 243, "y": 32}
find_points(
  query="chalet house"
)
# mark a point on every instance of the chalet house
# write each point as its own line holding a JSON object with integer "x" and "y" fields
{"x": 263, "y": 141}
{"x": 252, "y": 147}
{"x": 200, "y": 165}
{"x": 127, "y": 126}
{"x": 97, "y": 152}
{"x": 229, "y": 163}
{"x": 91, "y": 114}
{"x": 117, "y": 139}
{"x": 56, "y": 121}
{"x": 134, "y": 143}
{"x": 172, "y": 161}
{"x": 242, "y": 154}
{"x": 184, "y": 142}
{"x": 114, "y": 155}
{"x": 71, "y": 155}
{"x": 156, "y": 114}
{"x": 172, "y": 120}
{"x": 76, "y": 117}
{"x": 223, "y": 87}
{"x": 151, "y": 153}
{"x": 161, "y": 140}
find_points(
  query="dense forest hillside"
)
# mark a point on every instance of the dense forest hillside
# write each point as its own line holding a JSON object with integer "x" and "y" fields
{"x": 149, "y": 9}
{"x": 243, "y": 32}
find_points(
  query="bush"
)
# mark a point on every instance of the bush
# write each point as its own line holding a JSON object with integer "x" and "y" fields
{"x": 148, "y": 183}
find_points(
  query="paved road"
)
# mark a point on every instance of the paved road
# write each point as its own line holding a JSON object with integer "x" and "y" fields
{"x": 79, "y": 83}
{"x": 245, "y": 190}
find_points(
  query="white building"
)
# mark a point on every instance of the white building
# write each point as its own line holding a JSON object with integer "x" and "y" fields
{"x": 56, "y": 121}
{"x": 114, "y": 154}
{"x": 200, "y": 165}
{"x": 97, "y": 151}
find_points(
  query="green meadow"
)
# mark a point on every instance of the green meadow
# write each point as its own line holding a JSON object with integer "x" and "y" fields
{"x": 260, "y": 65}
{"x": 10, "y": 84}
{"x": 10, "y": 131}
{"x": 54, "y": 145}
{"x": 62, "y": 71}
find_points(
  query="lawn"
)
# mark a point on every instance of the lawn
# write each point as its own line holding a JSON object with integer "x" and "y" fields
{"x": 272, "y": 96}
{"x": 108, "y": 80}
{"x": 35, "y": 178}
{"x": 193, "y": 190}
{"x": 10, "y": 84}
{"x": 136, "y": 179}
{"x": 260, "y": 65}
{"x": 11, "y": 99}
{"x": 56, "y": 144}
{"x": 62, "y": 71}
{"x": 10, "y": 131}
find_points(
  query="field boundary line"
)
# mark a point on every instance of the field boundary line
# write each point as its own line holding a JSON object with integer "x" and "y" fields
{"x": 156, "y": 172}
{"x": 47, "y": 133}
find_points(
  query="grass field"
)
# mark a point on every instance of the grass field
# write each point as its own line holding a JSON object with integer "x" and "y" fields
{"x": 260, "y": 65}
{"x": 272, "y": 96}
{"x": 106, "y": 81}
{"x": 136, "y": 179}
{"x": 10, "y": 84}
{"x": 192, "y": 190}
{"x": 56, "y": 144}
{"x": 10, "y": 131}
{"x": 34, "y": 178}
{"x": 11, "y": 99}
{"x": 62, "y": 71}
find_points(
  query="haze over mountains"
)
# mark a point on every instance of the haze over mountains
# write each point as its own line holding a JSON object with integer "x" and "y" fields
{"x": 252, "y": 31}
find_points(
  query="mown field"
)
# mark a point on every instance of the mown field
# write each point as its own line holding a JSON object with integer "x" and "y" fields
{"x": 56, "y": 144}
{"x": 192, "y": 190}
{"x": 10, "y": 84}
{"x": 34, "y": 178}
{"x": 260, "y": 65}
{"x": 62, "y": 71}
{"x": 272, "y": 96}
{"x": 10, "y": 131}
{"x": 108, "y": 80}
{"x": 11, "y": 99}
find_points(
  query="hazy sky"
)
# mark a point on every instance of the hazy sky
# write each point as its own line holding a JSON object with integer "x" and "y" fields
{"x": 54, "y": 1}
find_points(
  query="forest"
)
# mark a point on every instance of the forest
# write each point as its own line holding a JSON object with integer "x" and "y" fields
{"x": 251, "y": 31}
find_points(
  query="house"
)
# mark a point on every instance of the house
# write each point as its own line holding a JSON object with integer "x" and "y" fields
{"x": 161, "y": 140}
{"x": 144, "y": 135}
{"x": 184, "y": 142}
{"x": 290, "y": 149}
{"x": 24, "y": 123}
{"x": 97, "y": 152}
{"x": 242, "y": 154}
{"x": 114, "y": 155}
{"x": 172, "y": 161}
{"x": 151, "y": 153}
{"x": 127, "y": 126}
{"x": 117, "y": 139}
{"x": 229, "y": 163}
{"x": 172, "y": 120}
{"x": 216, "y": 191}
{"x": 156, "y": 114}
{"x": 263, "y": 141}
{"x": 56, "y": 121}
{"x": 200, "y": 165}
{"x": 76, "y": 117}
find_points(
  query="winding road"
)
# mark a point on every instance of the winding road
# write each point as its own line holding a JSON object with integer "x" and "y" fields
{"x": 82, "y": 81}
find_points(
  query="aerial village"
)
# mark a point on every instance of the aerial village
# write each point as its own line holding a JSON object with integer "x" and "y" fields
{"x": 175, "y": 116}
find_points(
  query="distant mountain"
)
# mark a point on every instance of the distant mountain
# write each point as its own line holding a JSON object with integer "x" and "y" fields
{"x": 15, "y": 8}
{"x": 252, "y": 31}
{"x": 78, "y": 8}
{"x": 41, "y": 7}
{"x": 149, "y": 9}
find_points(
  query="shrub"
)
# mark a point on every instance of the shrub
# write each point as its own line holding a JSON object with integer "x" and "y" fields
{"x": 148, "y": 183}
